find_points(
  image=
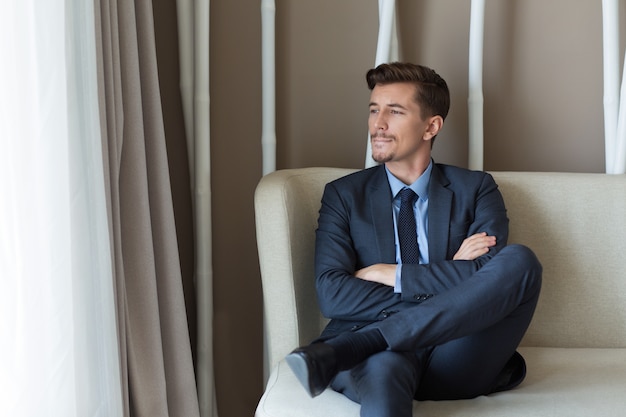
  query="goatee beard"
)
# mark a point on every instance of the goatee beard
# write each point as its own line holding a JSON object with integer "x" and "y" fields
{"x": 381, "y": 159}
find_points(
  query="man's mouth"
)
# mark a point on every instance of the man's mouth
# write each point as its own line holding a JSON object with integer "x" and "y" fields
{"x": 381, "y": 141}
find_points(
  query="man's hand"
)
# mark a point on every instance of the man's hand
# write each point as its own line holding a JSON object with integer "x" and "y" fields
{"x": 381, "y": 273}
{"x": 474, "y": 247}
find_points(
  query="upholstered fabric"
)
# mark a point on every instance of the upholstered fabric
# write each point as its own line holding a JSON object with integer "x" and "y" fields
{"x": 568, "y": 382}
{"x": 576, "y": 345}
{"x": 576, "y": 223}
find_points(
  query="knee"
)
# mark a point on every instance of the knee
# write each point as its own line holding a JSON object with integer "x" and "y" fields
{"x": 525, "y": 263}
{"x": 524, "y": 256}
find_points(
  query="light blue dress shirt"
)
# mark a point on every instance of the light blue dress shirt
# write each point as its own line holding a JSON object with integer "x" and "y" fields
{"x": 420, "y": 186}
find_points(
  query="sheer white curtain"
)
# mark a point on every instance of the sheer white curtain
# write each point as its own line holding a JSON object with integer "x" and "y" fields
{"x": 59, "y": 354}
{"x": 193, "y": 24}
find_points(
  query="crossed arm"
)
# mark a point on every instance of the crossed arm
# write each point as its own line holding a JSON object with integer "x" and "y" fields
{"x": 471, "y": 248}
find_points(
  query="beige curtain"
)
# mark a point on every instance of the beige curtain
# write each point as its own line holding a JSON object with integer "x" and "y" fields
{"x": 193, "y": 35}
{"x": 156, "y": 356}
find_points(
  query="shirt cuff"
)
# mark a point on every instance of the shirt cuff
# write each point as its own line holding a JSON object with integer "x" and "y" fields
{"x": 398, "y": 287}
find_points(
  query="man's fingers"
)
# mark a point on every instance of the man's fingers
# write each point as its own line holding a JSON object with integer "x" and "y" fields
{"x": 475, "y": 246}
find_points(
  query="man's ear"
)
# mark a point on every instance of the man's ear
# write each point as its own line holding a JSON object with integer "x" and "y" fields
{"x": 435, "y": 123}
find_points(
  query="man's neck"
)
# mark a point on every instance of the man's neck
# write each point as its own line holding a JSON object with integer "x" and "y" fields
{"x": 408, "y": 173}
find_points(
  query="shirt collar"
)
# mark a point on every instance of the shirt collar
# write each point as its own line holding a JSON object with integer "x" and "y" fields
{"x": 420, "y": 186}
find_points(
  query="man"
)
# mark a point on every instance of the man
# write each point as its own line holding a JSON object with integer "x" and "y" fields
{"x": 442, "y": 322}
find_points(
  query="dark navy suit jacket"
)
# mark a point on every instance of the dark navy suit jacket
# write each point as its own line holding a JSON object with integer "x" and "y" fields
{"x": 356, "y": 229}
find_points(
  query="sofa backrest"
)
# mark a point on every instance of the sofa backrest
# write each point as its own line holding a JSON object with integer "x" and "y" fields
{"x": 575, "y": 223}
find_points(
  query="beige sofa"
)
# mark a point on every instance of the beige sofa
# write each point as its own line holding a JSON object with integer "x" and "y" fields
{"x": 576, "y": 345}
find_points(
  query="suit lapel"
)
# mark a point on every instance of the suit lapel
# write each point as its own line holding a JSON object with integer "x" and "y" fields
{"x": 382, "y": 217}
{"x": 439, "y": 212}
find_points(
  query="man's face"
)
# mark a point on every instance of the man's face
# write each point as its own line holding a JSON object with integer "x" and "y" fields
{"x": 398, "y": 132}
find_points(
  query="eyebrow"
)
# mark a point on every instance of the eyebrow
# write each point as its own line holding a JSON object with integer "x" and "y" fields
{"x": 394, "y": 105}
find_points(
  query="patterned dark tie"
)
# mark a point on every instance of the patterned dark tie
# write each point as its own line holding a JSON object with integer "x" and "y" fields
{"x": 407, "y": 230}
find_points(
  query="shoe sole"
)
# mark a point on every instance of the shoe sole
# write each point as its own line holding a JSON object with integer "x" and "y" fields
{"x": 300, "y": 369}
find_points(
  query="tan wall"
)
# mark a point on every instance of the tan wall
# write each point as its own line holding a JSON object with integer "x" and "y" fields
{"x": 543, "y": 112}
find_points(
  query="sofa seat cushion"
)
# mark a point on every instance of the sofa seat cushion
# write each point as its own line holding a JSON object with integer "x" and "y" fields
{"x": 566, "y": 382}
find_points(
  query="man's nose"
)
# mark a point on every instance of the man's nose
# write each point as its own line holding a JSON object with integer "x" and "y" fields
{"x": 380, "y": 123}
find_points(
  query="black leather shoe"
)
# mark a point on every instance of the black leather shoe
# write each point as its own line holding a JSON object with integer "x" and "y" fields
{"x": 314, "y": 365}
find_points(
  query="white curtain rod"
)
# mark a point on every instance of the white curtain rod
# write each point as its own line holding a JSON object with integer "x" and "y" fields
{"x": 268, "y": 69}
{"x": 386, "y": 50}
{"x": 475, "y": 99}
{"x": 614, "y": 98}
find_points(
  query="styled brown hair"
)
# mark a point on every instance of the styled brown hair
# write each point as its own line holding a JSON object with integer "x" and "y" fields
{"x": 432, "y": 92}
